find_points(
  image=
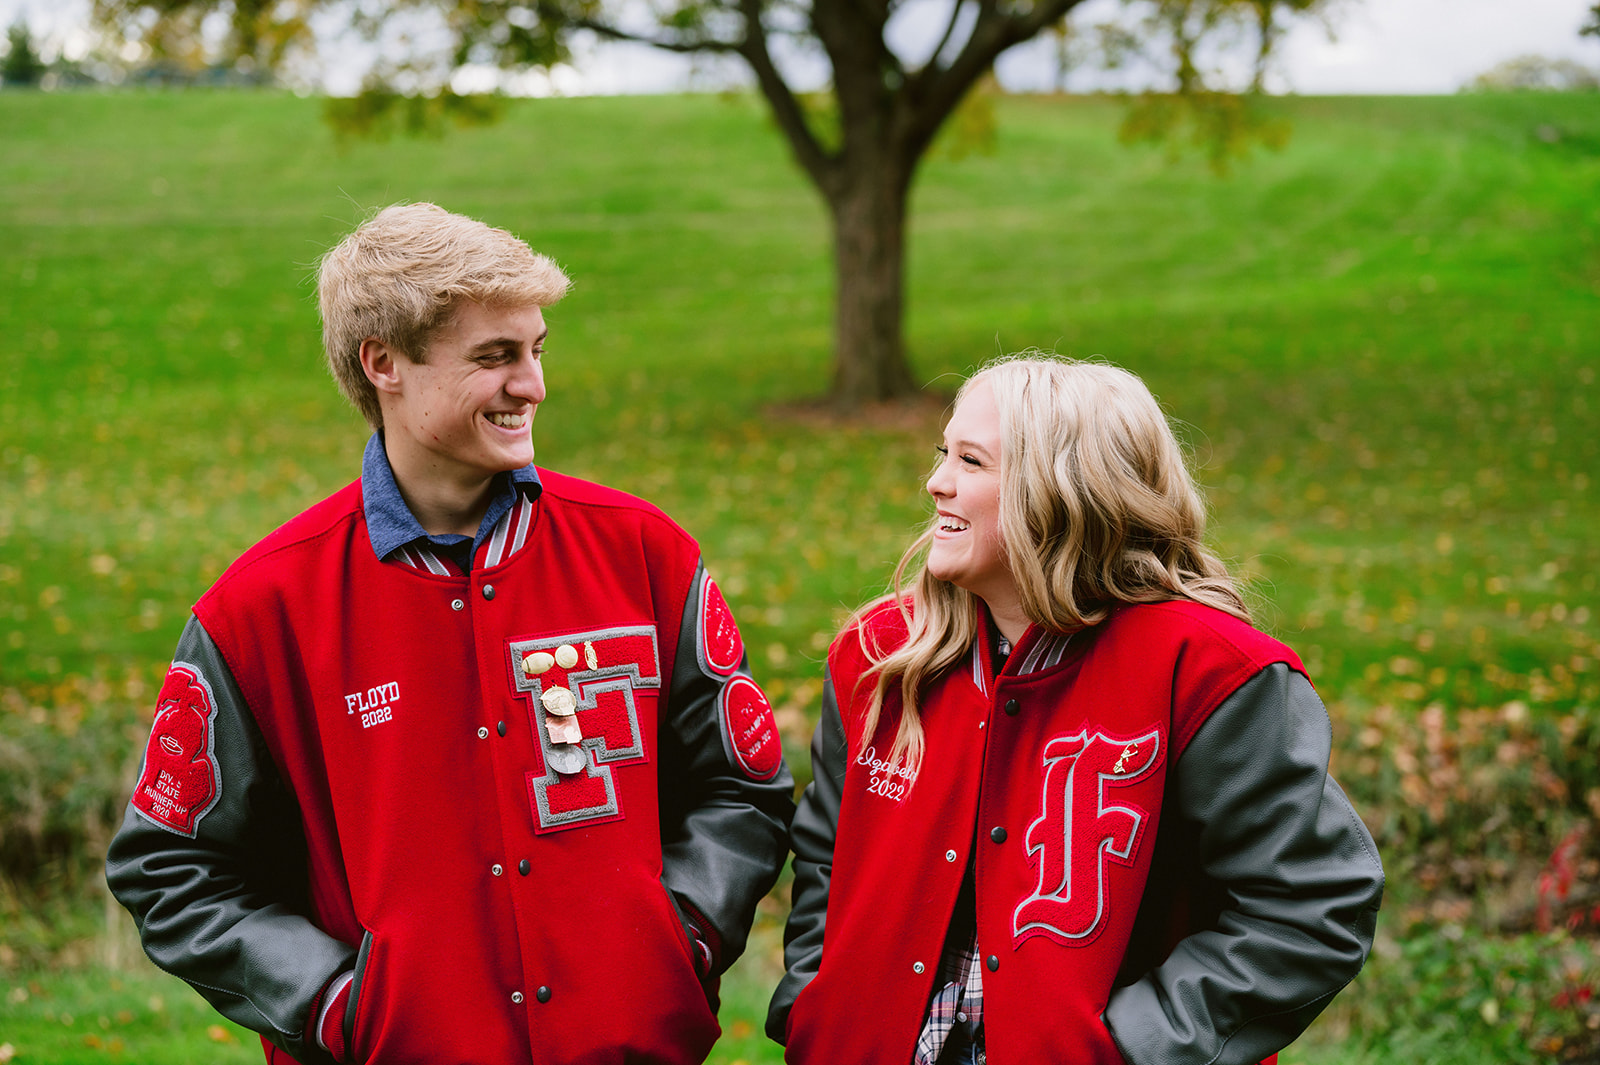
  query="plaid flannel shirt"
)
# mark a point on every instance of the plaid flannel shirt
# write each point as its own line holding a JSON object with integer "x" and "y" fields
{"x": 959, "y": 1001}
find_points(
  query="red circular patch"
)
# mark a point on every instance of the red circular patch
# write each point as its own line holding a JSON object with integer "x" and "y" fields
{"x": 721, "y": 646}
{"x": 752, "y": 731}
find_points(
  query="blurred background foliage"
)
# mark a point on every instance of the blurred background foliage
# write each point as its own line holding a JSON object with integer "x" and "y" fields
{"x": 1379, "y": 342}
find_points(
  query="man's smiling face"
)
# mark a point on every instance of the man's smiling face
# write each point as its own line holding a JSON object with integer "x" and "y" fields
{"x": 467, "y": 411}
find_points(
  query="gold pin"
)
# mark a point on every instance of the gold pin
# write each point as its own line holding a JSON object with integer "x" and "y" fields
{"x": 589, "y": 656}
{"x": 1127, "y": 752}
{"x": 566, "y": 656}
{"x": 559, "y": 701}
{"x": 537, "y": 663}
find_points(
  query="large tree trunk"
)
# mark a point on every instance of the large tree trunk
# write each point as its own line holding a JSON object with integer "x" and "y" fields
{"x": 869, "y": 213}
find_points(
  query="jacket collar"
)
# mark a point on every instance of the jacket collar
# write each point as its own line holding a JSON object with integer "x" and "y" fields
{"x": 1038, "y": 650}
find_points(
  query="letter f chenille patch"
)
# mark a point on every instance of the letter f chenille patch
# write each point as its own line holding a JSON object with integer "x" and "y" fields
{"x": 181, "y": 780}
{"x": 1082, "y": 827}
{"x": 583, "y": 691}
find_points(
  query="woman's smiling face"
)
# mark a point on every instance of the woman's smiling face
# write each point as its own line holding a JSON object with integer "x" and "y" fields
{"x": 967, "y": 549}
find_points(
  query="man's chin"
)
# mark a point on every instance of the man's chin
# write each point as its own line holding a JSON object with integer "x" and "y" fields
{"x": 512, "y": 458}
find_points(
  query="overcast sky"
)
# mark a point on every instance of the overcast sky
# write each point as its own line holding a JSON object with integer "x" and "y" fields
{"x": 1379, "y": 46}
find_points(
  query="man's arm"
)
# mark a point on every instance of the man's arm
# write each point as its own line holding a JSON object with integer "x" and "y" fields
{"x": 210, "y": 860}
{"x": 1302, "y": 877}
{"x": 726, "y": 794}
{"x": 816, "y": 824}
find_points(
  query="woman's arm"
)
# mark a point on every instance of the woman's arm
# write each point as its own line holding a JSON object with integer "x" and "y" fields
{"x": 1302, "y": 878}
{"x": 816, "y": 822}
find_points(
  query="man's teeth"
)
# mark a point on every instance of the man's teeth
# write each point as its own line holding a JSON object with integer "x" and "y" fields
{"x": 508, "y": 421}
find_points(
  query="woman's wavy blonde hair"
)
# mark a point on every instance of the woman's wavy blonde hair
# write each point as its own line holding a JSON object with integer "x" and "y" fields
{"x": 1097, "y": 509}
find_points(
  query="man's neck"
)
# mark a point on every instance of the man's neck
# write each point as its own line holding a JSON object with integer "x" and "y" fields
{"x": 442, "y": 504}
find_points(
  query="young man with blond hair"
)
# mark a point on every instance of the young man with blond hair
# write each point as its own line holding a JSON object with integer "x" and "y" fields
{"x": 463, "y": 764}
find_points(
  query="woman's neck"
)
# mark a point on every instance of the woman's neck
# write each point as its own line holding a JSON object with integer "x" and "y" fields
{"x": 1010, "y": 620}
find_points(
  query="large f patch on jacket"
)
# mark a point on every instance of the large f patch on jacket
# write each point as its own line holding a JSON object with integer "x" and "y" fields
{"x": 580, "y": 689}
{"x": 1082, "y": 828}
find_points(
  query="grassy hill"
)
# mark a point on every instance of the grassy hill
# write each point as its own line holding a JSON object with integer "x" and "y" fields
{"x": 1381, "y": 343}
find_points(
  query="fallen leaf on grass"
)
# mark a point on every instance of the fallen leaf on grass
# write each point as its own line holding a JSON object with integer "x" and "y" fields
{"x": 219, "y": 1034}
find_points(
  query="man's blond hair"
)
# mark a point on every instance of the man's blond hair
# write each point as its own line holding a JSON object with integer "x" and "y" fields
{"x": 400, "y": 277}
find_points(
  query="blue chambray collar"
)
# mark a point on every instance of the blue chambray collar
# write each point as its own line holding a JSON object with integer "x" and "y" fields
{"x": 390, "y": 523}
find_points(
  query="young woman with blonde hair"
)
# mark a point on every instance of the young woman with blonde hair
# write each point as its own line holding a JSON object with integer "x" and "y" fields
{"x": 1068, "y": 805}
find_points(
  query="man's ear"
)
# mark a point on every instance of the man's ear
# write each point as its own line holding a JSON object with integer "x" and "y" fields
{"x": 380, "y": 363}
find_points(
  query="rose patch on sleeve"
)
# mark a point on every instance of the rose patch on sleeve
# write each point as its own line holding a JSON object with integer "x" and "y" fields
{"x": 181, "y": 780}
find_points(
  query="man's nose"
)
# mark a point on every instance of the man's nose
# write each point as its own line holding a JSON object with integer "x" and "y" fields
{"x": 528, "y": 382}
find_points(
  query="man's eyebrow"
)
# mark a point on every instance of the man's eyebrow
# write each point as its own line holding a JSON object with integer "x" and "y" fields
{"x": 504, "y": 342}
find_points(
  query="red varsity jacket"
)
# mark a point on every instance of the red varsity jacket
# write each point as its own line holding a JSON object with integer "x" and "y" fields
{"x": 1103, "y": 872}
{"x": 501, "y": 798}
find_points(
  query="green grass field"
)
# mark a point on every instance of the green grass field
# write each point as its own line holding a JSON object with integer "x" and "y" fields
{"x": 1381, "y": 343}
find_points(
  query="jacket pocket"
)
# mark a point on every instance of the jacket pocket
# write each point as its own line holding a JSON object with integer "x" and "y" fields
{"x": 686, "y": 937}
{"x": 358, "y": 986}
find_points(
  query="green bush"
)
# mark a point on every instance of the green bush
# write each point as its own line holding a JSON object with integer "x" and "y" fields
{"x": 1446, "y": 993}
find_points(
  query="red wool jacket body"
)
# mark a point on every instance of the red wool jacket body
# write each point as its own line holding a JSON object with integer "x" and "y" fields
{"x": 388, "y": 795}
{"x": 1141, "y": 896}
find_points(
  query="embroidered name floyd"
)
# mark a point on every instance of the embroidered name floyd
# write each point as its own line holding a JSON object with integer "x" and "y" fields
{"x": 374, "y": 704}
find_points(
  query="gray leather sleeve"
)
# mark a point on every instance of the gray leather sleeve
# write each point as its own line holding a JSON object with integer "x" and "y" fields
{"x": 816, "y": 823}
{"x": 225, "y": 910}
{"x": 1300, "y": 877}
{"x": 724, "y": 836}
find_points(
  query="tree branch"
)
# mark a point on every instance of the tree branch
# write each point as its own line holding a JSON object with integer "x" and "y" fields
{"x": 687, "y": 46}
{"x": 786, "y": 109}
{"x": 936, "y": 91}
{"x": 949, "y": 31}
{"x": 851, "y": 32}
